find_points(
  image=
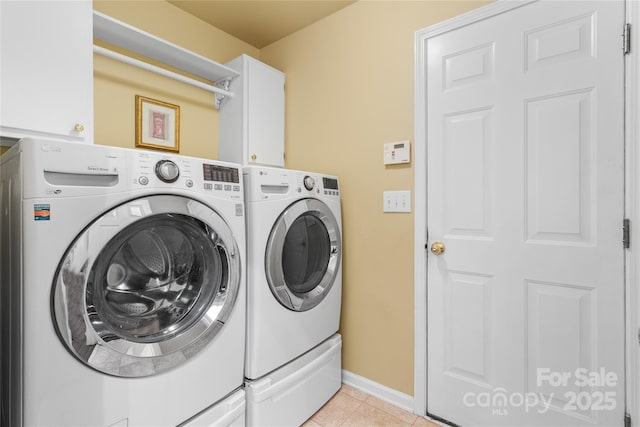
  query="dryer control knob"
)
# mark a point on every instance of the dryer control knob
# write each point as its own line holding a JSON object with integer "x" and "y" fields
{"x": 167, "y": 171}
{"x": 309, "y": 183}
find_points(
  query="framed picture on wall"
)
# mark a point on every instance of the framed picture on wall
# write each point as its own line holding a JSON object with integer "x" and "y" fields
{"x": 157, "y": 124}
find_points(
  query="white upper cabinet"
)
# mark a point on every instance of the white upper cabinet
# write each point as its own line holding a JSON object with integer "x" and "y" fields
{"x": 252, "y": 122}
{"x": 46, "y": 69}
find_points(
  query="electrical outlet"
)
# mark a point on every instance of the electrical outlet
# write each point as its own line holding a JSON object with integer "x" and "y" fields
{"x": 396, "y": 201}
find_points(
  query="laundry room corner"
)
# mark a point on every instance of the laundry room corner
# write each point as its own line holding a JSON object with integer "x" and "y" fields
{"x": 349, "y": 90}
{"x": 202, "y": 224}
{"x": 357, "y": 67}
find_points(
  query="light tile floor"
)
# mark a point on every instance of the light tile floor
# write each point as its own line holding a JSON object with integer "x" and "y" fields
{"x": 352, "y": 407}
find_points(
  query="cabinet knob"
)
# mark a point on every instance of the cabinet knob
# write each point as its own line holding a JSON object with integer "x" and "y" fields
{"x": 78, "y": 127}
{"x": 253, "y": 157}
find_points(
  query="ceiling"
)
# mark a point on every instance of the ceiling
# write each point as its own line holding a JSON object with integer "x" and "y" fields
{"x": 260, "y": 22}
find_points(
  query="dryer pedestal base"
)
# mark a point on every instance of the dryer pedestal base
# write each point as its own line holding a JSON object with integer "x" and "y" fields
{"x": 293, "y": 393}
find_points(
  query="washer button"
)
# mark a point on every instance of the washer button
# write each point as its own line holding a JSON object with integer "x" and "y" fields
{"x": 189, "y": 183}
{"x": 143, "y": 180}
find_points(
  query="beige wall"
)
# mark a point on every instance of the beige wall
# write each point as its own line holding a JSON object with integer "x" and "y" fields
{"x": 349, "y": 89}
{"x": 116, "y": 84}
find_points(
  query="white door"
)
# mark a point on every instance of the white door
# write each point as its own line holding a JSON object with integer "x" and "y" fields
{"x": 525, "y": 191}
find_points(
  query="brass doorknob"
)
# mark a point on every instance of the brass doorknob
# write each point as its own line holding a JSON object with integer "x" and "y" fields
{"x": 254, "y": 157}
{"x": 437, "y": 248}
{"x": 78, "y": 127}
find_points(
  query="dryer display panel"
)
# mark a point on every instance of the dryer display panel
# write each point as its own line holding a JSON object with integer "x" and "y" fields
{"x": 146, "y": 286}
{"x": 303, "y": 255}
{"x": 330, "y": 183}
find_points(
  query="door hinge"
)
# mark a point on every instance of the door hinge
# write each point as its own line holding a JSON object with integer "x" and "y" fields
{"x": 626, "y": 233}
{"x": 626, "y": 39}
{"x": 627, "y": 420}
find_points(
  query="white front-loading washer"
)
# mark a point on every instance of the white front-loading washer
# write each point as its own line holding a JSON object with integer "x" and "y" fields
{"x": 294, "y": 279}
{"x": 123, "y": 287}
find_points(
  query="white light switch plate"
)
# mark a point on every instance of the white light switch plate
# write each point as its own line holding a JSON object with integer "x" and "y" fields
{"x": 396, "y": 201}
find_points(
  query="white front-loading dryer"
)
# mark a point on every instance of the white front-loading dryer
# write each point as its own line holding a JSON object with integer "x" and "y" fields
{"x": 294, "y": 232}
{"x": 294, "y": 279}
{"x": 123, "y": 286}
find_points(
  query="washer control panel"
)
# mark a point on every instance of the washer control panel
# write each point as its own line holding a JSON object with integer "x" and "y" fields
{"x": 154, "y": 170}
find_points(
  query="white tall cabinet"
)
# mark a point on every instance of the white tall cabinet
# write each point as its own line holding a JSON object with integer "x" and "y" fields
{"x": 252, "y": 122}
{"x": 46, "y": 69}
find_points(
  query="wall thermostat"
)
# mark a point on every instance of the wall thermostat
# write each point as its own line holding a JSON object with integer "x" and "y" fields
{"x": 397, "y": 152}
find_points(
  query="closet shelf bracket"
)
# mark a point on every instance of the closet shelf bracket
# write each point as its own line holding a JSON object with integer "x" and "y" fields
{"x": 220, "y": 96}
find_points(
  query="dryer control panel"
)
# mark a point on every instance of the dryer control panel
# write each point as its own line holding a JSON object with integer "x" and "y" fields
{"x": 313, "y": 184}
{"x": 265, "y": 183}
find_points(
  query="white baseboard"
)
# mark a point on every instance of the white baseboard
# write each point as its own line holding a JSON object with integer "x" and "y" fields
{"x": 380, "y": 391}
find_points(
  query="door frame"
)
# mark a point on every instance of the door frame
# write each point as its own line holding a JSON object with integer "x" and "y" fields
{"x": 632, "y": 198}
{"x": 632, "y": 211}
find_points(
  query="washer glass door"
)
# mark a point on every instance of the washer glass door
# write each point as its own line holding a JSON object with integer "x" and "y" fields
{"x": 146, "y": 286}
{"x": 303, "y": 254}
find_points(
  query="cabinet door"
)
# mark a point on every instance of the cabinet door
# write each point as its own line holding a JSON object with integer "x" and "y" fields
{"x": 265, "y": 115}
{"x": 46, "y": 76}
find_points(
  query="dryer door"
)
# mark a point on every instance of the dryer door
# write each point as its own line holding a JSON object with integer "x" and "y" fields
{"x": 303, "y": 254}
{"x": 146, "y": 286}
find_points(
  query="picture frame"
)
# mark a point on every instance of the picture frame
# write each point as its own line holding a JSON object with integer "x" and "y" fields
{"x": 157, "y": 124}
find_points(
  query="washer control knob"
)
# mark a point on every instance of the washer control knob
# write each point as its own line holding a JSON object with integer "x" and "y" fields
{"x": 309, "y": 183}
{"x": 167, "y": 171}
